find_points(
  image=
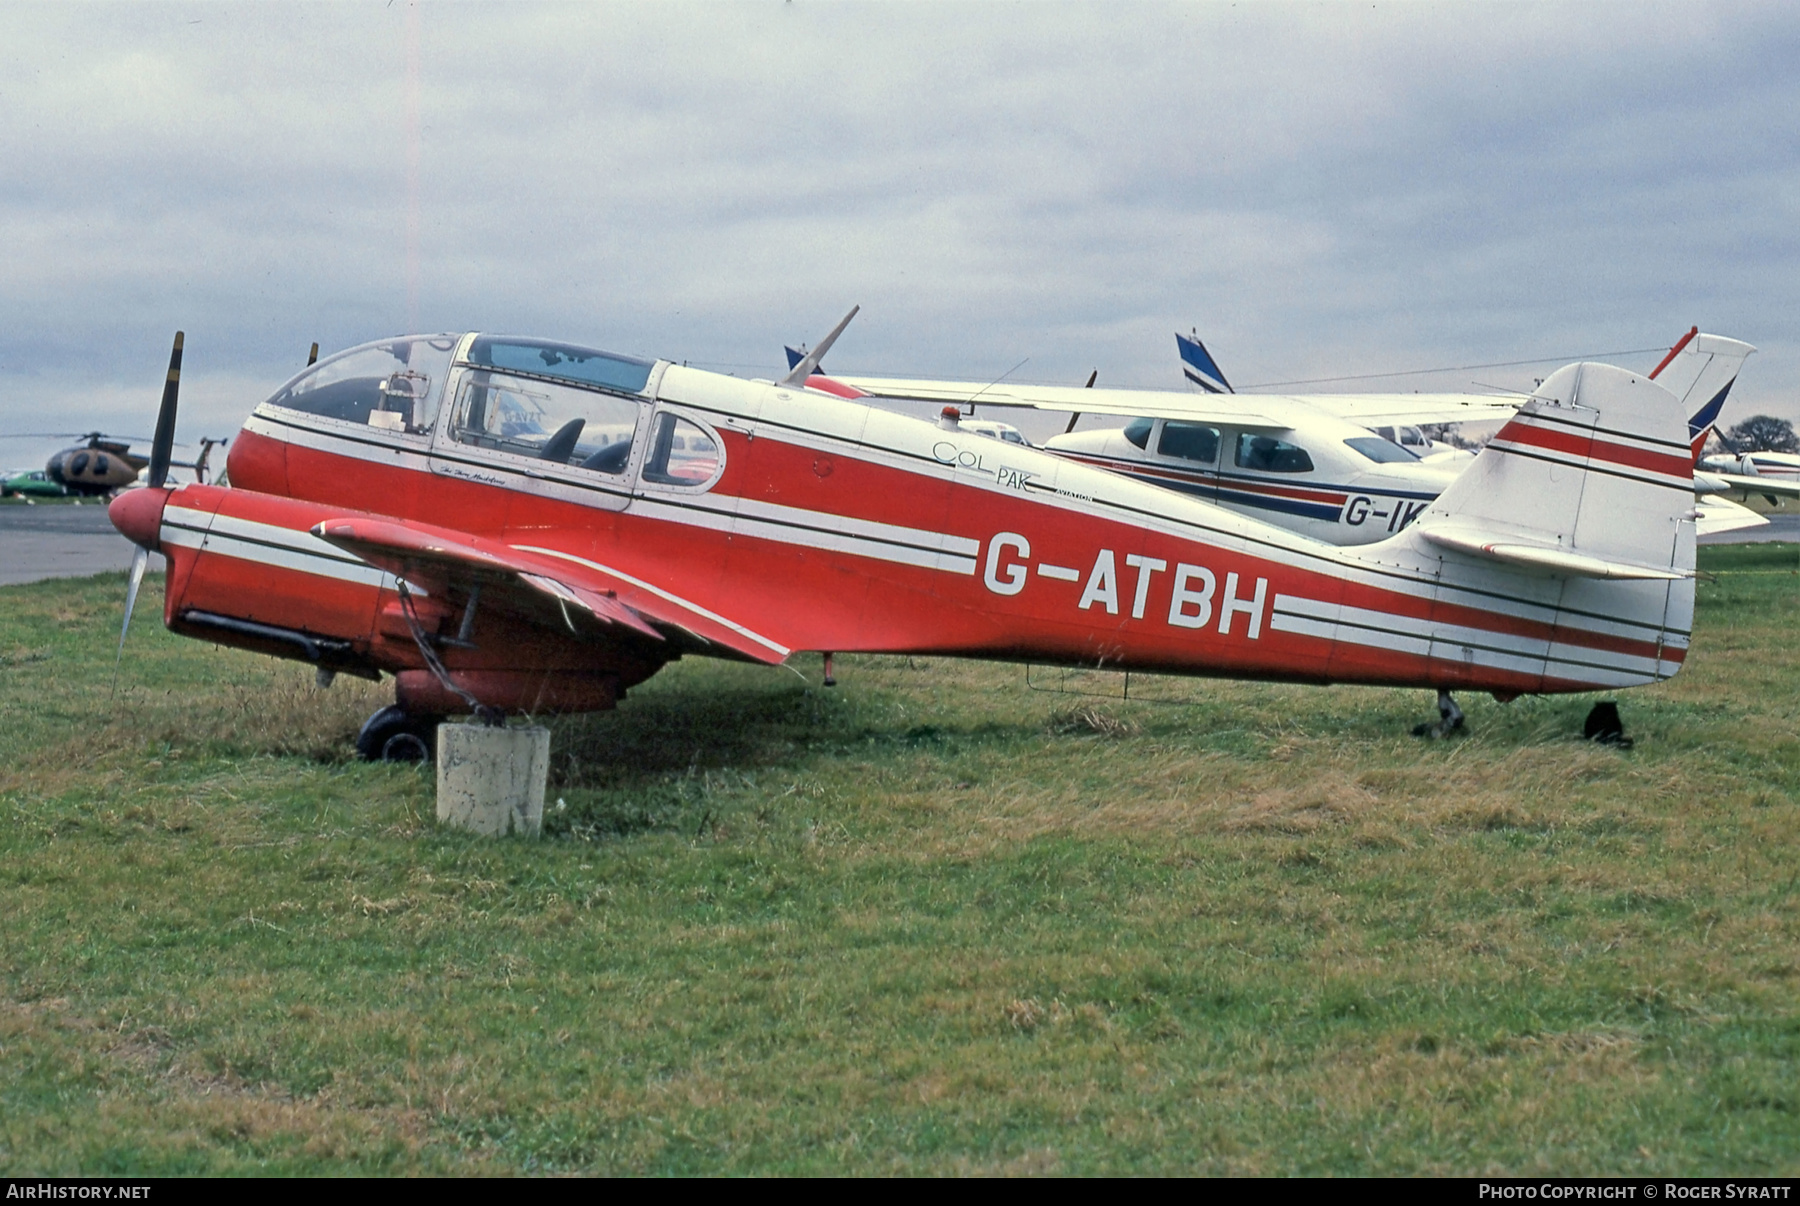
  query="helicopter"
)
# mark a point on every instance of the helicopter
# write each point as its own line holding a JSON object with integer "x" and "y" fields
{"x": 99, "y": 466}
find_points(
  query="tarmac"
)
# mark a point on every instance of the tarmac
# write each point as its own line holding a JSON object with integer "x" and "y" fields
{"x": 61, "y": 540}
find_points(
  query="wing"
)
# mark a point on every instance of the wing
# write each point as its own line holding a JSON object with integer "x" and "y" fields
{"x": 1237, "y": 410}
{"x": 1376, "y": 409}
{"x": 1268, "y": 412}
{"x": 1772, "y": 488}
{"x": 529, "y": 579}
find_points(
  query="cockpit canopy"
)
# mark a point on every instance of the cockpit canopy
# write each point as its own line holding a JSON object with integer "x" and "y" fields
{"x": 395, "y": 384}
{"x": 398, "y": 384}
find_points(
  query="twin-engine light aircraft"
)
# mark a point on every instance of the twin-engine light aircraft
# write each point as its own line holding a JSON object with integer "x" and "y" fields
{"x": 521, "y": 525}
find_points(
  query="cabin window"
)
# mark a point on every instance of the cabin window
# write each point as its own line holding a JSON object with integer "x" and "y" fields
{"x": 682, "y": 453}
{"x": 1189, "y": 442}
{"x": 1270, "y": 455}
{"x": 1138, "y": 431}
{"x": 1382, "y": 452}
{"x": 394, "y": 385}
{"x": 546, "y": 422}
{"x": 79, "y": 464}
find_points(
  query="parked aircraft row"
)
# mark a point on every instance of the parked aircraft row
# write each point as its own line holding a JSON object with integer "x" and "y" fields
{"x": 520, "y": 524}
{"x": 1343, "y": 468}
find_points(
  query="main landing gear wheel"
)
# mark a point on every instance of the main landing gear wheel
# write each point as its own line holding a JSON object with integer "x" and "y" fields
{"x": 396, "y": 735}
{"x": 1450, "y": 719}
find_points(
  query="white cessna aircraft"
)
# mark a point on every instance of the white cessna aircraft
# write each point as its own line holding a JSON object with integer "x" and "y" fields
{"x": 1312, "y": 463}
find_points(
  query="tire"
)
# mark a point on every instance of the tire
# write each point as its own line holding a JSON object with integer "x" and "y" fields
{"x": 395, "y": 735}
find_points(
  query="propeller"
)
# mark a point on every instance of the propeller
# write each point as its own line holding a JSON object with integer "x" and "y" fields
{"x": 160, "y": 447}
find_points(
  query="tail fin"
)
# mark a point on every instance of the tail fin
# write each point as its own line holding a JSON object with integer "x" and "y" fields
{"x": 1197, "y": 364}
{"x": 1700, "y": 370}
{"x": 1592, "y": 479}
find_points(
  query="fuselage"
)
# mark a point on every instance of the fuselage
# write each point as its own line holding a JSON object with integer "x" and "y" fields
{"x": 799, "y": 520}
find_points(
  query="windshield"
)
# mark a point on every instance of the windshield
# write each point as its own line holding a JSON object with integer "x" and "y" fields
{"x": 565, "y": 362}
{"x": 1138, "y": 431}
{"x": 393, "y": 384}
{"x": 1382, "y": 452}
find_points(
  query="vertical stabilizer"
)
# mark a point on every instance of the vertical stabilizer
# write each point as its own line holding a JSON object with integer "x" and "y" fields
{"x": 1593, "y": 474}
{"x": 1700, "y": 372}
{"x": 1198, "y": 366}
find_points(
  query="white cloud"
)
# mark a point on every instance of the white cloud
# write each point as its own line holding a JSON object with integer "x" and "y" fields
{"x": 1323, "y": 189}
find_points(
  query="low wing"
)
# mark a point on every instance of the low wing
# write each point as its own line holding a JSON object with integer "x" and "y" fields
{"x": 439, "y": 559}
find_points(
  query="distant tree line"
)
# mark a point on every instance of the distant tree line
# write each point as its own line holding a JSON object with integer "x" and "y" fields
{"x": 1761, "y": 433}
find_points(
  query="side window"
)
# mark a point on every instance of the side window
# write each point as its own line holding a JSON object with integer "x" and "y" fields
{"x": 545, "y": 422}
{"x": 1138, "y": 431}
{"x": 1271, "y": 455}
{"x": 394, "y": 385}
{"x": 1189, "y": 441}
{"x": 681, "y": 453}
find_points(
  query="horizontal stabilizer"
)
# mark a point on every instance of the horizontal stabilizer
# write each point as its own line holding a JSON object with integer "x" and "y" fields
{"x": 1716, "y": 515}
{"x": 1542, "y": 558}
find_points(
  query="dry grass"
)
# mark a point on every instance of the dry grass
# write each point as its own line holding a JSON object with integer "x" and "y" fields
{"x": 930, "y": 921}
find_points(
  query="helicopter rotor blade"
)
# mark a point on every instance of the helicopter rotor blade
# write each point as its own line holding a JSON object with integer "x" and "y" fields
{"x": 164, "y": 441}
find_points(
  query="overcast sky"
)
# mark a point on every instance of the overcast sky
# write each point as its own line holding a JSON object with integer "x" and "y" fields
{"x": 1323, "y": 190}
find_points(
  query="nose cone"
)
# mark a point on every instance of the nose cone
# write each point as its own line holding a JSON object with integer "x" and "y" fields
{"x": 138, "y": 516}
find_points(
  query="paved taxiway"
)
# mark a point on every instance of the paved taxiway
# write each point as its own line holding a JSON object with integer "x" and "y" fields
{"x": 58, "y": 540}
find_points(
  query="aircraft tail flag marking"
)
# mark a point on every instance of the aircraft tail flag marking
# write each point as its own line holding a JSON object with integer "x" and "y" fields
{"x": 1198, "y": 365}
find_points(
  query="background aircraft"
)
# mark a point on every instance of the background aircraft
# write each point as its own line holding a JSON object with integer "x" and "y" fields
{"x": 1327, "y": 465}
{"x": 457, "y": 511}
{"x": 99, "y": 466}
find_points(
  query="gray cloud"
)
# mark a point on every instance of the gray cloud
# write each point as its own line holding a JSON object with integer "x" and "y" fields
{"x": 1323, "y": 189}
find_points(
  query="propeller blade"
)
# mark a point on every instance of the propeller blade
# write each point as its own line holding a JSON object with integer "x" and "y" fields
{"x": 312, "y": 357}
{"x": 165, "y": 421}
{"x": 131, "y": 593}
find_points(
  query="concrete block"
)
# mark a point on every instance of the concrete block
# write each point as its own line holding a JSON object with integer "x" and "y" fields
{"x": 492, "y": 780}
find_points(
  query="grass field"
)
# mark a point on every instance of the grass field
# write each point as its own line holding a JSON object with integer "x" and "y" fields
{"x": 931, "y": 921}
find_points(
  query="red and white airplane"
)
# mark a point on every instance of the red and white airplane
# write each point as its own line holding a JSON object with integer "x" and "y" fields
{"x": 514, "y": 524}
